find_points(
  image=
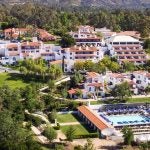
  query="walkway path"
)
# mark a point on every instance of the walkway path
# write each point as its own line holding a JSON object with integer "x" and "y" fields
{"x": 60, "y": 136}
{"x": 68, "y": 123}
{"x": 42, "y": 117}
{"x": 38, "y": 115}
{"x": 42, "y": 139}
{"x": 63, "y": 79}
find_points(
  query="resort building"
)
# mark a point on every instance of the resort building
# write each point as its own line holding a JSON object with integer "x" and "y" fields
{"x": 86, "y": 36}
{"x": 106, "y": 33}
{"x": 109, "y": 120}
{"x": 142, "y": 79}
{"x": 94, "y": 84}
{"x": 10, "y": 53}
{"x": 14, "y": 33}
{"x": 126, "y": 48}
{"x": 134, "y": 34}
{"x": 81, "y": 53}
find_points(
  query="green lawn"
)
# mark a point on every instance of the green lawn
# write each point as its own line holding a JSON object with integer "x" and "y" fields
{"x": 139, "y": 100}
{"x": 130, "y": 100}
{"x": 79, "y": 129}
{"x": 63, "y": 118}
{"x": 96, "y": 102}
{"x": 11, "y": 81}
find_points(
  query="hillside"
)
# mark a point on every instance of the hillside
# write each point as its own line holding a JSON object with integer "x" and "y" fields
{"x": 95, "y": 3}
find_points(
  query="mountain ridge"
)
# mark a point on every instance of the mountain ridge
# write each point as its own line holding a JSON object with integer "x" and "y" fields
{"x": 89, "y": 3}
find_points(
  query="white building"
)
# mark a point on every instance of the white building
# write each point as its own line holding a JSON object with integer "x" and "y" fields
{"x": 81, "y": 53}
{"x": 142, "y": 79}
{"x": 86, "y": 36}
{"x": 126, "y": 48}
{"x": 94, "y": 84}
{"x": 114, "y": 79}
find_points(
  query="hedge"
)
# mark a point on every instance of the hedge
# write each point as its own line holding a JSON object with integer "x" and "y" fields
{"x": 90, "y": 135}
{"x": 57, "y": 127}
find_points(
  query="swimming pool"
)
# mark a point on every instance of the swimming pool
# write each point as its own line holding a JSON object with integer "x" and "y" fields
{"x": 121, "y": 120}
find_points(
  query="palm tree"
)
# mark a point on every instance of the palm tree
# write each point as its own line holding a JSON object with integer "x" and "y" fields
{"x": 128, "y": 135}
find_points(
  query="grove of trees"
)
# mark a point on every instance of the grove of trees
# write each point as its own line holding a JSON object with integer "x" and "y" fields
{"x": 60, "y": 20}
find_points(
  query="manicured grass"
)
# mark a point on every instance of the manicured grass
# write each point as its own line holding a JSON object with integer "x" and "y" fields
{"x": 63, "y": 118}
{"x": 139, "y": 100}
{"x": 130, "y": 100}
{"x": 11, "y": 81}
{"x": 96, "y": 102}
{"x": 79, "y": 129}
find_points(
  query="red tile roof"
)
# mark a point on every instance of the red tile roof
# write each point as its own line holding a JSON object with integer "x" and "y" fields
{"x": 129, "y": 50}
{"x": 31, "y": 44}
{"x": 131, "y": 55}
{"x": 82, "y": 49}
{"x": 92, "y": 117}
{"x": 95, "y": 84}
{"x": 130, "y": 33}
{"x": 133, "y": 60}
{"x": 12, "y": 45}
{"x": 92, "y": 74}
{"x": 132, "y": 45}
{"x": 72, "y": 91}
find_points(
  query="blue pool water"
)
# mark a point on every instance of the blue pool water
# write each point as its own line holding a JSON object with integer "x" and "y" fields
{"x": 128, "y": 119}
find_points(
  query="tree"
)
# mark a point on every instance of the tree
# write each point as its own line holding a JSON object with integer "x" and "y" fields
{"x": 147, "y": 90}
{"x": 128, "y": 135}
{"x": 79, "y": 65}
{"x": 64, "y": 93}
{"x": 128, "y": 66}
{"x": 146, "y": 44}
{"x": 121, "y": 91}
{"x": 70, "y": 133}
{"x": 78, "y": 93}
{"x": 76, "y": 79}
{"x": 52, "y": 116}
{"x": 50, "y": 133}
{"x": 67, "y": 41}
{"x": 12, "y": 134}
{"x": 51, "y": 85}
{"x": 89, "y": 145}
{"x": 23, "y": 70}
{"x": 88, "y": 65}
{"x": 54, "y": 72}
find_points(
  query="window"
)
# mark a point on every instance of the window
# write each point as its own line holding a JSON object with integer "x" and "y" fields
{"x": 89, "y": 88}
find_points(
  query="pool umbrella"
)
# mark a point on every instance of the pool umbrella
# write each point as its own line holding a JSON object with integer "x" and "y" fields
{"x": 108, "y": 132}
